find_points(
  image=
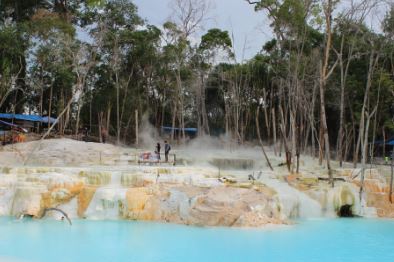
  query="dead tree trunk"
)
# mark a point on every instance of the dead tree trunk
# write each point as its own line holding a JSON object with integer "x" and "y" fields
{"x": 78, "y": 115}
{"x": 372, "y": 63}
{"x": 344, "y": 73}
{"x": 391, "y": 176}
{"x": 284, "y": 139}
{"x": 364, "y": 152}
{"x": 118, "y": 124}
{"x": 274, "y": 129}
{"x": 259, "y": 137}
{"x": 323, "y": 80}
{"x": 136, "y": 128}
{"x": 204, "y": 114}
{"x": 100, "y": 124}
{"x": 50, "y": 105}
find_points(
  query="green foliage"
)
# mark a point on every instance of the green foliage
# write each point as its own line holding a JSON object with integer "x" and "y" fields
{"x": 288, "y": 16}
{"x": 216, "y": 38}
{"x": 44, "y": 23}
{"x": 164, "y": 74}
{"x": 388, "y": 23}
{"x": 12, "y": 47}
{"x": 20, "y": 10}
{"x": 96, "y": 2}
{"x": 214, "y": 42}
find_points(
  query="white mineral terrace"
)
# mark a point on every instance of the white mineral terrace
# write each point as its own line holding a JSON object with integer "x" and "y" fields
{"x": 215, "y": 187}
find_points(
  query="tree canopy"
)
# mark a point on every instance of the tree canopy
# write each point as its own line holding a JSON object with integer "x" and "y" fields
{"x": 96, "y": 63}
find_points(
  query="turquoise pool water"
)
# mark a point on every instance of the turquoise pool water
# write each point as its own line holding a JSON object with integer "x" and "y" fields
{"x": 312, "y": 240}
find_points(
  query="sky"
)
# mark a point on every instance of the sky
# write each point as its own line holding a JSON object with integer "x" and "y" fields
{"x": 250, "y": 29}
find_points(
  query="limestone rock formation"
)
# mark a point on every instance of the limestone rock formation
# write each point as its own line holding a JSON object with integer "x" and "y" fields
{"x": 104, "y": 195}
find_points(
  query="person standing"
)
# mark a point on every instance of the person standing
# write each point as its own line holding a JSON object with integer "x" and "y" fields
{"x": 167, "y": 149}
{"x": 104, "y": 134}
{"x": 86, "y": 133}
{"x": 158, "y": 148}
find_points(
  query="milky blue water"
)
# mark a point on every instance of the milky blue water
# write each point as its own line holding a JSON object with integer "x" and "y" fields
{"x": 312, "y": 240}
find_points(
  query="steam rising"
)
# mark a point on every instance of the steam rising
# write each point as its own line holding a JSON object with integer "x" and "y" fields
{"x": 148, "y": 135}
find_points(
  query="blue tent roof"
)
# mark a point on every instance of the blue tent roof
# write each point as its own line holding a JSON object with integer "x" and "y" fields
{"x": 32, "y": 118}
{"x": 187, "y": 129}
{"x": 389, "y": 142}
{"x": 51, "y": 119}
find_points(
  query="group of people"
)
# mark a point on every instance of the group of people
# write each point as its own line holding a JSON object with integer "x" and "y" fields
{"x": 167, "y": 149}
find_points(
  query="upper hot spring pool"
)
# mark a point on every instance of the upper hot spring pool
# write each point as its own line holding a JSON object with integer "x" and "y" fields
{"x": 311, "y": 240}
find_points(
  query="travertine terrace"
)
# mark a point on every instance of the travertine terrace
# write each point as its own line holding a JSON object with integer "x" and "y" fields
{"x": 99, "y": 181}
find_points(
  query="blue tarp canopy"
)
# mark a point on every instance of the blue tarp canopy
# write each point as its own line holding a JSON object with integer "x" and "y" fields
{"x": 51, "y": 120}
{"x": 389, "y": 142}
{"x": 32, "y": 118}
{"x": 170, "y": 129}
